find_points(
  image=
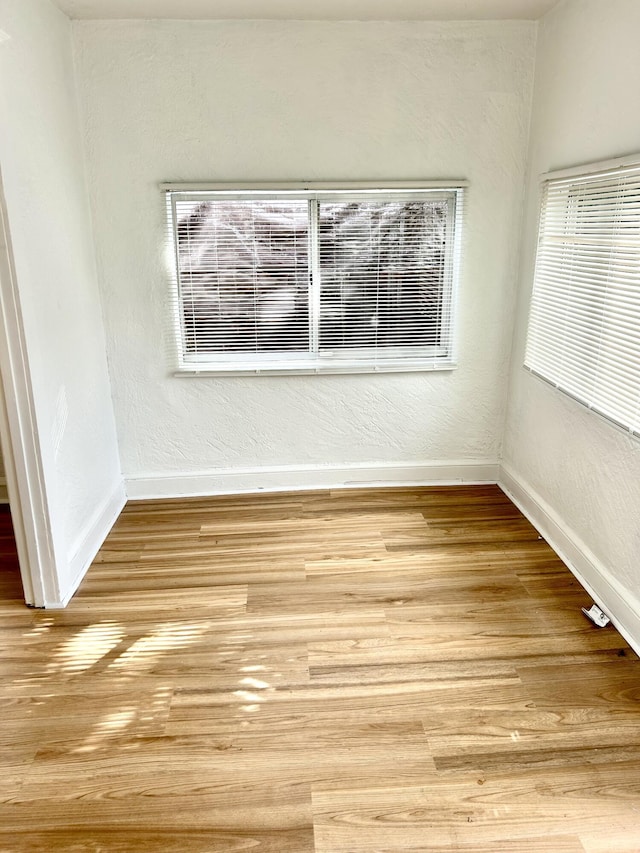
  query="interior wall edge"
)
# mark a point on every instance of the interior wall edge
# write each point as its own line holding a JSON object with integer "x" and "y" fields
{"x": 310, "y": 477}
{"x": 620, "y": 604}
{"x": 89, "y": 542}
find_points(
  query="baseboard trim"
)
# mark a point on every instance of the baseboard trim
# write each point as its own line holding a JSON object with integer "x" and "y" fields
{"x": 89, "y": 542}
{"x": 620, "y": 604}
{"x": 308, "y": 477}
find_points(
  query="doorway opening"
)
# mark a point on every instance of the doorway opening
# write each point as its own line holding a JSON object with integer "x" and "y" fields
{"x": 10, "y": 580}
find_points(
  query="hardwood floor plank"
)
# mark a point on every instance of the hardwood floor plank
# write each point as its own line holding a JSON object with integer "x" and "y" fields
{"x": 614, "y": 685}
{"x": 266, "y": 824}
{"x": 379, "y": 592}
{"x": 547, "y": 844}
{"x": 619, "y": 839}
{"x": 468, "y": 556}
{"x": 495, "y": 732}
{"x": 475, "y": 808}
{"x": 108, "y": 840}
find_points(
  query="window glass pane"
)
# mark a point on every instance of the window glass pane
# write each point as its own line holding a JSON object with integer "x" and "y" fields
{"x": 383, "y": 276}
{"x": 243, "y": 275}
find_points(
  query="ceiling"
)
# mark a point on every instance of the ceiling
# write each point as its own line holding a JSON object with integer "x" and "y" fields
{"x": 330, "y": 10}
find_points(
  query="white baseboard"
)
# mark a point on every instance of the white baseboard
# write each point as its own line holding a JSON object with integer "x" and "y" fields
{"x": 89, "y": 542}
{"x": 309, "y": 477}
{"x": 619, "y": 603}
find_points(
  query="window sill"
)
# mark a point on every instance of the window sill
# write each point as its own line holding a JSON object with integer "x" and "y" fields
{"x": 404, "y": 366}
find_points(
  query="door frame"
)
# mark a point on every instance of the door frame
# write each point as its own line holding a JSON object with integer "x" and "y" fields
{"x": 20, "y": 439}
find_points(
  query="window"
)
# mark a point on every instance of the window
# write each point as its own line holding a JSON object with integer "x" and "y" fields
{"x": 584, "y": 324}
{"x": 314, "y": 280}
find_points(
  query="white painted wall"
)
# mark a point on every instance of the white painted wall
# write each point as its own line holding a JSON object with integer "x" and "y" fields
{"x": 581, "y": 469}
{"x": 45, "y": 188}
{"x": 284, "y": 101}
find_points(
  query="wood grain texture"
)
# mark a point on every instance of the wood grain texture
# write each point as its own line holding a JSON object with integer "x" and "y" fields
{"x": 326, "y": 672}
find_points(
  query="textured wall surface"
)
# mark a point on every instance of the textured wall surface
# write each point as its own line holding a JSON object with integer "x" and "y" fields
{"x": 586, "y": 108}
{"x": 45, "y": 188}
{"x": 290, "y": 101}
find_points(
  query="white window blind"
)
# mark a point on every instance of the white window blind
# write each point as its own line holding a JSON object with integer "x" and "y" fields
{"x": 584, "y": 324}
{"x": 243, "y": 274}
{"x": 303, "y": 280}
{"x": 383, "y": 275}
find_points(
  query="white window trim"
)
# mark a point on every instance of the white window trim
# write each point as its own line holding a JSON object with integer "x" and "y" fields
{"x": 586, "y": 171}
{"x": 393, "y": 362}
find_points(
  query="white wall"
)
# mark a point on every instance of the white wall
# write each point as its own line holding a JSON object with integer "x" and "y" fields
{"x": 258, "y": 101}
{"x": 49, "y": 218}
{"x": 582, "y": 471}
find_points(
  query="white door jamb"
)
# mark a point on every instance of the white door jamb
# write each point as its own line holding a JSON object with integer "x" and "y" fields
{"x": 20, "y": 440}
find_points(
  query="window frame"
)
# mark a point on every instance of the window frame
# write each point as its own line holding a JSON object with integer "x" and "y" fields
{"x": 583, "y": 175}
{"x": 399, "y": 359}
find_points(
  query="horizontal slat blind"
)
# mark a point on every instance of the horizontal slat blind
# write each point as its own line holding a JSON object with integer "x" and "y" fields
{"x": 243, "y": 274}
{"x": 303, "y": 279}
{"x": 384, "y": 275}
{"x": 584, "y": 324}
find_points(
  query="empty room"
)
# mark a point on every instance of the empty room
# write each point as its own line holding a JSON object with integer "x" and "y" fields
{"x": 320, "y": 426}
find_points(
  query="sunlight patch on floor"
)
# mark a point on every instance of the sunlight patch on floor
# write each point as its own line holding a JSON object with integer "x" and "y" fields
{"x": 145, "y": 651}
{"x": 86, "y": 648}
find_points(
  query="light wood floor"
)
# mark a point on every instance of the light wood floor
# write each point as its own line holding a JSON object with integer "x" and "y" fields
{"x": 349, "y": 671}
